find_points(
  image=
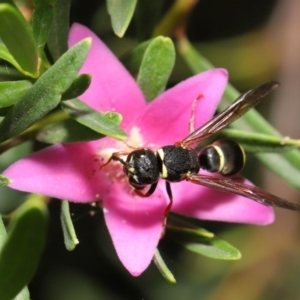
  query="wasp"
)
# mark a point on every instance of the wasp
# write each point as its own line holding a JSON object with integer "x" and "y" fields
{"x": 178, "y": 162}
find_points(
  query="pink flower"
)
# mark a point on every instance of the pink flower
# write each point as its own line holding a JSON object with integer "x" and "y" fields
{"x": 71, "y": 171}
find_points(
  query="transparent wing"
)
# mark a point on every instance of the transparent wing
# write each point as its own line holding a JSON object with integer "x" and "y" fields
{"x": 248, "y": 191}
{"x": 241, "y": 105}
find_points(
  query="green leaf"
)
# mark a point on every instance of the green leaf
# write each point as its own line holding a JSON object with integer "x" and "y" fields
{"x": 58, "y": 36}
{"x": 23, "y": 295}
{"x": 104, "y": 123}
{"x": 200, "y": 240}
{"x": 156, "y": 67}
{"x": 17, "y": 36}
{"x": 188, "y": 229}
{"x": 6, "y": 55}
{"x": 41, "y": 20}
{"x": 285, "y": 165}
{"x": 78, "y": 87}
{"x": 2, "y": 233}
{"x": 4, "y": 181}
{"x": 178, "y": 225}
{"x": 214, "y": 248}
{"x": 67, "y": 131}
{"x": 23, "y": 247}
{"x": 121, "y": 13}
{"x": 132, "y": 59}
{"x": 45, "y": 93}
{"x": 259, "y": 142}
{"x": 8, "y": 71}
{"x": 163, "y": 268}
{"x": 195, "y": 61}
{"x": 70, "y": 237}
{"x": 12, "y": 91}
{"x": 153, "y": 60}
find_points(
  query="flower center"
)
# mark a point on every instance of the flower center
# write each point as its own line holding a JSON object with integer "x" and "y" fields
{"x": 114, "y": 170}
{"x": 134, "y": 141}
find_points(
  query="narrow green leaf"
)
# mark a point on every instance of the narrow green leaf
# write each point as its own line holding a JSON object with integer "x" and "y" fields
{"x": 121, "y": 13}
{"x": 4, "y": 181}
{"x": 23, "y": 295}
{"x": 42, "y": 17}
{"x": 132, "y": 59}
{"x": 17, "y": 36}
{"x": 179, "y": 225}
{"x": 156, "y": 67}
{"x": 285, "y": 165}
{"x": 196, "y": 231}
{"x": 78, "y": 87}
{"x": 195, "y": 61}
{"x": 45, "y": 93}
{"x": 260, "y": 142}
{"x": 2, "y": 233}
{"x": 70, "y": 237}
{"x": 104, "y": 123}
{"x": 58, "y": 36}
{"x": 215, "y": 248}
{"x": 12, "y": 91}
{"x": 163, "y": 268}
{"x": 153, "y": 60}
{"x": 200, "y": 240}
{"x": 67, "y": 131}
{"x": 22, "y": 249}
{"x": 6, "y": 55}
{"x": 7, "y": 71}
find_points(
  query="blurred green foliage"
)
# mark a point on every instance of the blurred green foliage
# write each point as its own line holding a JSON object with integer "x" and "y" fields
{"x": 33, "y": 47}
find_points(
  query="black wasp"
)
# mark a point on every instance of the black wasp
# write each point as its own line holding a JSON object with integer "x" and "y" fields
{"x": 180, "y": 162}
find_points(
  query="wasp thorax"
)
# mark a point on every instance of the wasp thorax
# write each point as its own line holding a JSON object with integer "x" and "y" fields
{"x": 177, "y": 162}
{"x": 223, "y": 156}
{"x": 141, "y": 168}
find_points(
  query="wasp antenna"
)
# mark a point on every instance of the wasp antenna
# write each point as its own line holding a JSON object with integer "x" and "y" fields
{"x": 192, "y": 119}
{"x": 130, "y": 146}
{"x": 116, "y": 157}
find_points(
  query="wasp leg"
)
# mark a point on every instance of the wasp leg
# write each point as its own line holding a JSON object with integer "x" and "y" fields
{"x": 192, "y": 119}
{"x": 169, "y": 192}
{"x": 116, "y": 157}
{"x": 168, "y": 208}
{"x": 149, "y": 192}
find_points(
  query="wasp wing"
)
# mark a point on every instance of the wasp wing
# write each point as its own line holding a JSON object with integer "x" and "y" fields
{"x": 239, "y": 107}
{"x": 248, "y": 191}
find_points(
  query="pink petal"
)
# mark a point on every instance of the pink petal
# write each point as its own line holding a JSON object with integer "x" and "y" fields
{"x": 166, "y": 119}
{"x": 62, "y": 171}
{"x": 208, "y": 204}
{"x": 112, "y": 87}
{"x": 135, "y": 226}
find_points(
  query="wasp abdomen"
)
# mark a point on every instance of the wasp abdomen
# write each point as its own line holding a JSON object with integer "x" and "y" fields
{"x": 223, "y": 156}
{"x": 175, "y": 162}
